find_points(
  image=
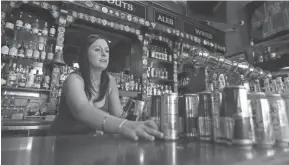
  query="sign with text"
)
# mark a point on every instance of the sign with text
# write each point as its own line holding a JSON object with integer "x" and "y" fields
{"x": 130, "y": 7}
{"x": 164, "y": 19}
{"x": 192, "y": 29}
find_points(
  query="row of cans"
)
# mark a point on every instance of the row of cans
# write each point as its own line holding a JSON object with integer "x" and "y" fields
{"x": 230, "y": 117}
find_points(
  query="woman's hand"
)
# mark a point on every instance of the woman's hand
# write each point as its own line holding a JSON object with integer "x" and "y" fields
{"x": 141, "y": 129}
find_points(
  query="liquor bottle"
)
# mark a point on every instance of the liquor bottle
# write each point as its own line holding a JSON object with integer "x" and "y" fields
{"x": 29, "y": 51}
{"x": 37, "y": 80}
{"x": 50, "y": 54}
{"x": 45, "y": 82}
{"x": 286, "y": 84}
{"x": 126, "y": 87}
{"x": 13, "y": 50}
{"x": 131, "y": 83}
{"x": 267, "y": 87}
{"x": 35, "y": 27}
{"x": 36, "y": 53}
{"x": 274, "y": 88}
{"x": 260, "y": 59}
{"x": 62, "y": 76}
{"x": 43, "y": 54}
{"x": 45, "y": 29}
{"x": 139, "y": 85}
{"x": 19, "y": 21}
{"x": 153, "y": 52}
{"x": 265, "y": 55}
{"x": 21, "y": 50}
{"x": 19, "y": 71}
{"x": 166, "y": 55}
{"x": 170, "y": 58}
{"x": 52, "y": 31}
{"x": 30, "y": 78}
{"x": 136, "y": 84}
{"x": 10, "y": 23}
{"x": 257, "y": 86}
{"x": 5, "y": 49}
{"x": 27, "y": 24}
{"x": 280, "y": 85}
{"x": 11, "y": 80}
{"x": 22, "y": 78}
{"x": 152, "y": 74}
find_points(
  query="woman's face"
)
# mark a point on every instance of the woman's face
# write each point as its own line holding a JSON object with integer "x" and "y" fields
{"x": 98, "y": 54}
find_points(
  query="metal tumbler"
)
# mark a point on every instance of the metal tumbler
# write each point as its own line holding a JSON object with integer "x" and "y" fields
{"x": 263, "y": 126}
{"x": 156, "y": 109}
{"x": 169, "y": 116}
{"x": 217, "y": 102}
{"x": 205, "y": 109}
{"x": 279, "y": 119}
{"x": 191, "y": 102}
{"x": 240, "y": 130}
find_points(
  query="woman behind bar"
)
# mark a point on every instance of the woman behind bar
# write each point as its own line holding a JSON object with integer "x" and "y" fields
{"x": 90, "y": 99}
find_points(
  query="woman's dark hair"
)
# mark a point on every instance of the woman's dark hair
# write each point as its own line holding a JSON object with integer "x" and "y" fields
{"x": 84, "y": 69}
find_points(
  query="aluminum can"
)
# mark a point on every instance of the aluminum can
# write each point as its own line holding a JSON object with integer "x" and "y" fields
{"x": 240, "y": 130}
{"x": 182, "y": 117}
{"x": 191, "y": 103}
{"x": 217, "y": 102}
{"x": 263, "y": 126}
{"x": 279, "y": 119}
{"x": 205, "y": 116}
{"x": 285, "y": 97}
{"x": 156, "y": 109}
{"x": 169, "y": 116}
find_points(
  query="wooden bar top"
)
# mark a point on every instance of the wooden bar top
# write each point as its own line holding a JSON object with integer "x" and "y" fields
{"x": 114, "y": 149}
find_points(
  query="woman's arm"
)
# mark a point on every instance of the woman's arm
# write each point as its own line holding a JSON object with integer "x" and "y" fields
{"x": 81, "y": 109}
{"x": 113, "y": 99}
{"x": 78, "y": 103}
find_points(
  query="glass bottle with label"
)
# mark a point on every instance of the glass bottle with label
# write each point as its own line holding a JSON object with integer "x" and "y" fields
{"x": 131, "y": 83}
{"x": 152, "y": 74}
{"x": 170, "y": 58}
{"x": 19, "y": 70}
{"x": 36, "y": 53}
{"x": 10, "y": 23}
{"x": 37, "y": 80}
{"x": 139, "y": 85}
{"x": 11, "y": 80}
{"x": 153, "y": 52}
{"x": 30, "y": 78}
{"x": 45, "y": 29}
{"x": 45, "y": 82}
{"x": 52, "y": 31}
{"x": 19, "y": 21}
{"x": 13, "y": 50}
{"x": 21, "y": 50}
{"x": 22, "y": 78}
{"x": 5, "y": 49}
{"x": 280, "y": 85}
{"x": 43, "y": 54}
{"x": 29, "y": 51}
{"x": 27, "y": 24}
{"x": 50, "y": 54}
{"x": 35, "y": 27}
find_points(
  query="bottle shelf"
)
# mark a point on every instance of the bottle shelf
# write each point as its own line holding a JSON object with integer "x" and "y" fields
{"x": 27, "y": 35}
{"x": 128, "y": 93}
{"x": 276, "y": 64}
{"x": 16, "y": 58}
{"x": 25, "y": 89}
{"x": 160, "y": 60}
{"x": 161, "y": 80}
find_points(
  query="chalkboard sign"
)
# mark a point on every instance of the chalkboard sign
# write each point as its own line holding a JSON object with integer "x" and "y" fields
{"x": 270, "y": 18}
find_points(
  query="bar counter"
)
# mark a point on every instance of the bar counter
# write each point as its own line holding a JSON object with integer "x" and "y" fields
{"x": 114, "y": 149}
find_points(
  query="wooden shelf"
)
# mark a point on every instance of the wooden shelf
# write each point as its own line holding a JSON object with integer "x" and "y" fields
{"x": 275, "y": 65}
{"x": 159, "y": 60}
{"x": 277, "y": 39}
{"x": 15, "y": 58}
{"x": 25, "y": 89}
{"x": 161, "y": 80}
{"x": 128, "y": 93}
